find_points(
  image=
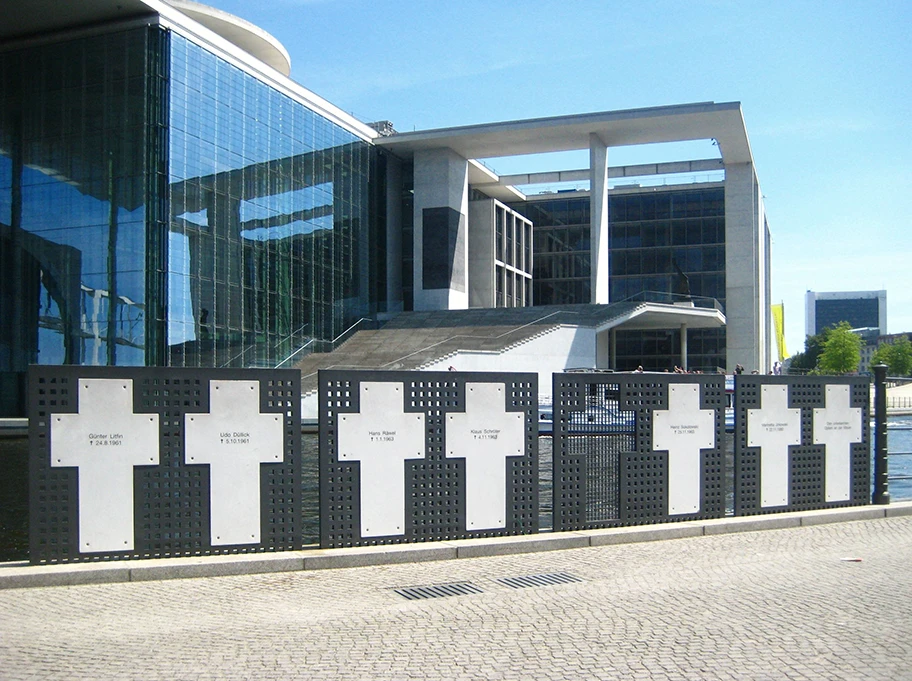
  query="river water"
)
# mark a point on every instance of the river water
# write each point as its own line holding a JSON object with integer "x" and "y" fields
{"x": 899, "y": 439}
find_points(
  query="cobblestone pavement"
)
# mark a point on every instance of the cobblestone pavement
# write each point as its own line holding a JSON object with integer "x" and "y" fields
{"x": 778, "y": 604}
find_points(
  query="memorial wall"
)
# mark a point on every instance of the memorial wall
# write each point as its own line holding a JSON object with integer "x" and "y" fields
{"x": 129, "y": 463}
{"x": 153, "y": 463}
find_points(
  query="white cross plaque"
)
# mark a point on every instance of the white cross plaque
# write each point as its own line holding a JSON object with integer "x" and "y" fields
{"x": 773, "y": 428}
{"x": 234, "y": 438}
{"x": 837, "y": 426}
{"x": 104, "y": 441}
{"x": 485, "y": 435}
{"x": 683, "y": 430}
{"x": 382, "y": 437}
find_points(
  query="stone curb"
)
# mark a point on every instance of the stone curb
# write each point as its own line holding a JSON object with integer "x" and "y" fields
{"x": 22, "y": 575}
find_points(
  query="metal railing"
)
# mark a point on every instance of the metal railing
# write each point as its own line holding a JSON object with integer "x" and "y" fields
{"x": 331, "y": 344}
{"x": 673, "y": 299}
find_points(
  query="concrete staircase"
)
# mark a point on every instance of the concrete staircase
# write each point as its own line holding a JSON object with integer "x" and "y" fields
{"x": 413, "y": 340}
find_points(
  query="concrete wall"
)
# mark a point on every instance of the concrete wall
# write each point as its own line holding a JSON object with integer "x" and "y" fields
{"x": 562, "y": 348}
{"x": 481, "y": 254}
{"x": 441, "y": 181}
{"x": 598, "y": 200}
{"x": 747, "y": 286}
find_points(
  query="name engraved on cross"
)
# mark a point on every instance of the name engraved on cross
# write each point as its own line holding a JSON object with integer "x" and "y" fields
{"x": 234, "y": 438}
{"x": 773, "y": 428}
{"x": 485, "y": 435}
{"x": 105, "y": 440}
{"x": 683, "y": 430}
{"x": 381, "y": 437}
{"x": 838, "y": 426}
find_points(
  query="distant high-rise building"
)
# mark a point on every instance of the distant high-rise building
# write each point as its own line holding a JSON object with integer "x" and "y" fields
{"x": 861, "y": 309}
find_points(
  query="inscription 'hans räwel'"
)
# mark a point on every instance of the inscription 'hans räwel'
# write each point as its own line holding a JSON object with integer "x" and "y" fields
{"x": 382, "y": 435}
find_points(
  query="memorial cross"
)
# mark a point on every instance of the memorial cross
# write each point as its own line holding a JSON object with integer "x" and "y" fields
{"x": 104, "y": 441}
{"x": 837, "y": 426}
{"x": 683, "y": 430}
{"x": 234, "y": 438}
{"x": 382, "y": 437}
{"x": 485, "y": 435}
{"x": 773, "y": 428}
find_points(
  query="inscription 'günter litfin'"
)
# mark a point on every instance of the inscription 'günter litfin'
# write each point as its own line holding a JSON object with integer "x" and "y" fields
{"x": 105, "y": 441}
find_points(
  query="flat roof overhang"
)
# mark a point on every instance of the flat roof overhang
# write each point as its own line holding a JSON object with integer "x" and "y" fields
{"x": 661, "y": 316}
{"x": 249, "y": 37}
{"x": 704, "y": 120}
{"x": 23, "y": 20}
{"x": 32, "y": 18}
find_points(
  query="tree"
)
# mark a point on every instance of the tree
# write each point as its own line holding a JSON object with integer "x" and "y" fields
{"x": 802, "y": 362}
{"x": 841, "y": 351}
{"x": 896, "y": 355}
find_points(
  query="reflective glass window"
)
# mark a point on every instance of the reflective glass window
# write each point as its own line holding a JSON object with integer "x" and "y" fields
{"x": 268, "y": 222}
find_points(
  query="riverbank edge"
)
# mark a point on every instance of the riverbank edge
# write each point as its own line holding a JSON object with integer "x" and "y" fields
{"x": 22, "y": 575}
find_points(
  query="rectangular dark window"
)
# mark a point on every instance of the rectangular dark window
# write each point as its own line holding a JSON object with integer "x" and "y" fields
{"x": 443, "y": 248}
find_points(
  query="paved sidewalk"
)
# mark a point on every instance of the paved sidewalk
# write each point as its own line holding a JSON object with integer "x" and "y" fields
{"x": 777, "y": 604}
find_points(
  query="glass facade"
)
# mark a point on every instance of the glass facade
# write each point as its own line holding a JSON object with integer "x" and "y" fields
{"x": 561, "y": 264}
{"x": 858, "y": 312}
{"x": 655, "y": 235}
{"x": 160, "y": 206}
{"x": 655, "y": 238}
{"x": 512, "y": 258}
{"x": 268, "y": 240}
{"x": 81, "y": 125}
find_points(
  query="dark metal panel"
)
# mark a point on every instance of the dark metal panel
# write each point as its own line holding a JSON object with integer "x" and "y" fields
{"x": 606, "y": 472}
{"x": 434, "y": 486}
{"x": 171, "y": 499}
{"x": 443, "y": 252}
{"x": 807, "y": 460}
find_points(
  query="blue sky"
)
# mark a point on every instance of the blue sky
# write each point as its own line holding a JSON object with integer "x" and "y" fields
{"x": 824, "y": 86}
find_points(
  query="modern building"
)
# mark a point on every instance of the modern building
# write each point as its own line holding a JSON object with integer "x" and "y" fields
{"x": 169, "y": 196}
{"x": 861, "y": 309}
{"x": 656, "y": 235}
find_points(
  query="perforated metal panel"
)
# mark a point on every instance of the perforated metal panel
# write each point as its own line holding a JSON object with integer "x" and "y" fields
{"x": 605, "y": 467}
{"x": 806, "y": 467}
{"x": 356, "y": 437}
{"x": 171, "y": 498}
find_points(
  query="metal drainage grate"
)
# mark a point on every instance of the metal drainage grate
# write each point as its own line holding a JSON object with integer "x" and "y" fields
{"x": 539, "y": 580}
{"x": 414, "y": 593}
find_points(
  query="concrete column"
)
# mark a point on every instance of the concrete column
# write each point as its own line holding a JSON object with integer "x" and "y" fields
{"x": 481, "y": 268}
{"x": 441, "y": 200}
{"x": 614, "y": 349}
{"x": 393, "y": 234}
{"x": 684, "y": 346}
{"x": 598, "y": 204}
{"x": 747, "y": 286}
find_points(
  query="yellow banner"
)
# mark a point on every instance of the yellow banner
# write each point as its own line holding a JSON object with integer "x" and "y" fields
{"x": 779, "y": 328}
